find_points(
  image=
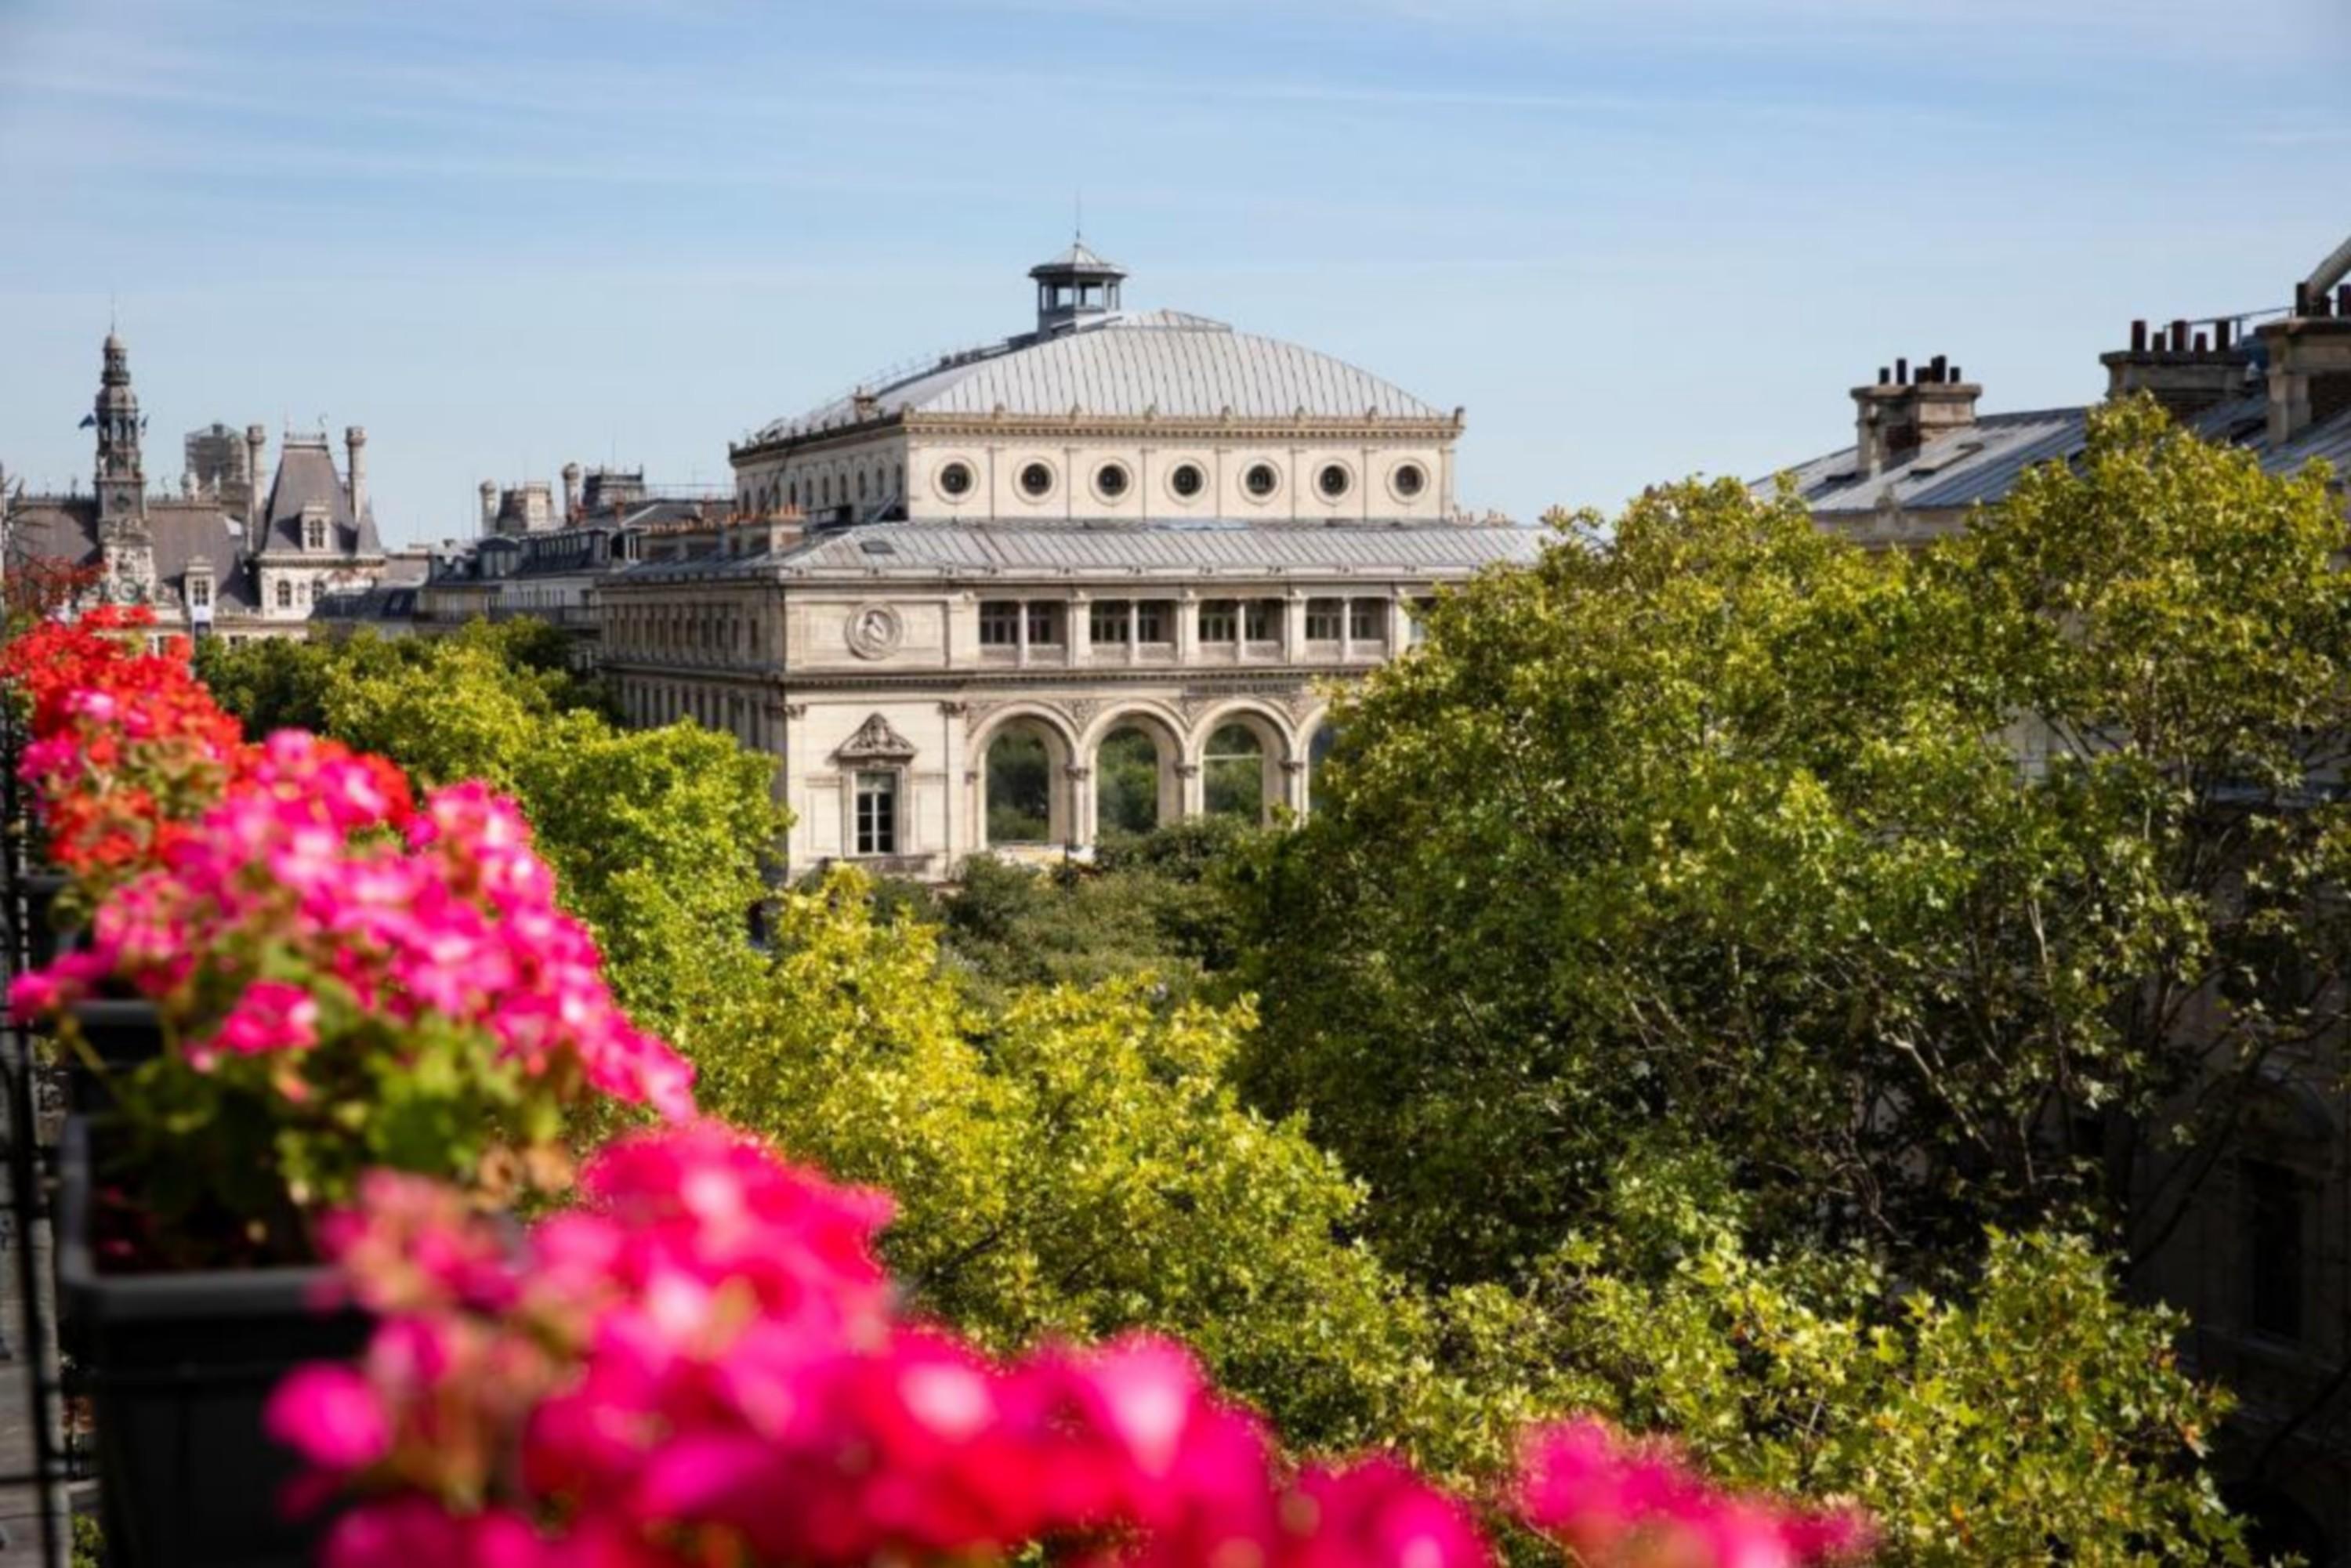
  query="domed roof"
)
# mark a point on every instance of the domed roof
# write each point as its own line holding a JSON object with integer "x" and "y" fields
{"x": 1158, "y": 363}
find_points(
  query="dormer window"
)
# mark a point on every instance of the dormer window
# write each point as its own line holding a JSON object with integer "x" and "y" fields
{"x": 200, "y": 592}
{"x": 314, "y": 527}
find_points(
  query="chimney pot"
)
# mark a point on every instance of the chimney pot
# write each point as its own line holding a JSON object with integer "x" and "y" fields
{"x": 1956, "y": 377}
{"x": 2224, "y": 331}
{"x": 1902, "y": 372}
{"x": 2201, "y": 346}
{"x": 1938, "y": 369}
{"x": 2342, "y": 300}
{"x": 1884, "y": 375}
{"x": 2139, "y": 337}
{"x": 2302, "y": 298}
{"x": 2179, "y": 337}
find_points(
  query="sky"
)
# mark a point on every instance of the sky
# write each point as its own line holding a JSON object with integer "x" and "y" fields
{"x": 1634, "y": 241}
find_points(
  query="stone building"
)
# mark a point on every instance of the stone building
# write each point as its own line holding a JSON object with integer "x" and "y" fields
{"x": 2262, "y": 1260}
{"x": 1094, "y": 577}
{"x": 224, "y": 557}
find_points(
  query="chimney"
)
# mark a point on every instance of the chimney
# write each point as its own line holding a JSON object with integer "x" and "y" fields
{"x": 2185, "y": 370}
{"x": 570, "y": 493}
{"x": 489, "y": 505}
{"x": 2310, "y": 362}
{"x": 257, "y": 492}
{"x": 1893, "y": 419}
{"x": 355, "y": 444}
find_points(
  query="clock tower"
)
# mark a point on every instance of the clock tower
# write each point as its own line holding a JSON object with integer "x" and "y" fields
{"x": 121, "y": 484}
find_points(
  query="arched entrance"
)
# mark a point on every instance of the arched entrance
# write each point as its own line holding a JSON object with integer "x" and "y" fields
{"x": 1018, "y": 803}
{"x": 1317, "y": 751}
{"x": 1128, "y": 789}
{"x": 1234, "y": 770}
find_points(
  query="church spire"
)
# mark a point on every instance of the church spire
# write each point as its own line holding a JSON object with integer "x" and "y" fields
{"x": 120, "y": 481}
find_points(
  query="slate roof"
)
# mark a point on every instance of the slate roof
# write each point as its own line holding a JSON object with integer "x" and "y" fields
{"x": 1981, "y": 465}
{"x": 1125, "y": 366}
{"x": 66, "y": 529}
{"x": 1126, "y": 550}
{"x": 306, "y": 477}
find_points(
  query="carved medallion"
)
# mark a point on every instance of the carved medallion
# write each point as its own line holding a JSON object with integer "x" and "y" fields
{"x": 875, "y": 631}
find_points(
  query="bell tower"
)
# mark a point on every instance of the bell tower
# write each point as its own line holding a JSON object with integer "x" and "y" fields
{"x": 120, "y": 482}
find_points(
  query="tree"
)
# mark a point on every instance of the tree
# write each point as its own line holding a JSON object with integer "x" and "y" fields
{"x": 1712, "y": 827}
{"x": 661, "y": 840}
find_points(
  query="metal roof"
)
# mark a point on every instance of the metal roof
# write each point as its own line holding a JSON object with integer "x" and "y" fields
{"x": 1126, "y": 550}
{"x": 1166, "y": 363}
{"x": 1980, "y": 465}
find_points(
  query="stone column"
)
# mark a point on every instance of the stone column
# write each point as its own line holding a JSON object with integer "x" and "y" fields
{"x": 1081, "y": 807}
{"x": 1346, "y": 629}
{"x": 1133, "y": 630}
{"x": 1078, "y": 636}
{"x": 1191, "y": 799}
{"x": 1293, "y": 627}
{"x": 1293, "y": 784}
{"x": 1399, "y": 622}
{"x": 1020, "y": 637}
{"x": 1187, "y": 625}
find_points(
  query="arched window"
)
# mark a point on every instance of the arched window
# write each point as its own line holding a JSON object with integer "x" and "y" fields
{"x": 1019, "y": 789}
{"x": 1232, "y": 774}
{"x": 792, "y": 493}
{"x": 1126, "y": 782}
{"x": 861, "y": 483}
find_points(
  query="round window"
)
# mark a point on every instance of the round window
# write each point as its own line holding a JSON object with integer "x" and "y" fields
{"x": 1333, "y": 480}
{"x": 1037, "y": 479}
{"x": 1409, "y": 480}
{"x": 955, "y": 479}
{"x": 1188, "y": 481}
{"x": 1110, "y": 480}
{"x": 1261, "y": 479}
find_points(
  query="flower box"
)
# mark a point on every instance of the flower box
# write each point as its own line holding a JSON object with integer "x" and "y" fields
{"x": 178, "y": 1367}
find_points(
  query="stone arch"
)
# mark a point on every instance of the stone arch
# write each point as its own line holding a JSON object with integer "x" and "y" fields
{"x": 1280, "y": 763}
{"x": 1058, "y": 819}
{"x": 1107, "y": 791}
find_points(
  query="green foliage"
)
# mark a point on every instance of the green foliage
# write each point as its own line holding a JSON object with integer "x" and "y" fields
{"x": 1708, "y": 827}
{"x": 660, "y": 839}
{"x": 1154, "y": 902}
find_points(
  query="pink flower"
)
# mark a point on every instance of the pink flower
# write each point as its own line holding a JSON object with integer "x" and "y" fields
{"x": 330, "y": 1415}
{"x": 273, "y": 1015}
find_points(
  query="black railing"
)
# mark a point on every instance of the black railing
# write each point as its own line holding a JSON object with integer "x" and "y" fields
{"x": 41, "y": 1463}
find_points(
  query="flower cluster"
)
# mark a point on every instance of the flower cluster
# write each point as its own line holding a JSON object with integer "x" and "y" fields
{"x": 127, "y": 746}
{"x": 351, "y": 976}
{"x": 703, "y": 1364}
{"x": 1615, "y": 1502}
{"x": 313, "y": 890}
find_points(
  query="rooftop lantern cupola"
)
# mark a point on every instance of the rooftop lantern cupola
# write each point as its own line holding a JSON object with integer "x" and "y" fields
{"x": 1075, "y": 289}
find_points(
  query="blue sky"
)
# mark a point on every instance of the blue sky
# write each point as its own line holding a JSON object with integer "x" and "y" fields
{"x": 1634, "y": 240}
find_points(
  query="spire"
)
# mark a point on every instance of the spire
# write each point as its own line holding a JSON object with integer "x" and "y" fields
{"x": 1075, "y": 289}
{"x": 120, "y": 481}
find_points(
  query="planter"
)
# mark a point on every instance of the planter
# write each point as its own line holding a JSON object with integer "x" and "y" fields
{"x": 122, "y": 1034}
{"x": 42, "y": 933}
{"x": 178, "y": 1367}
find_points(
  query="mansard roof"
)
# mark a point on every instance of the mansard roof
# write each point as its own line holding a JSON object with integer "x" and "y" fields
{"x": 307, "y": 478}
{"x": 1980, "y": 464}
{"x": 1125, "y": 552}
{"x": 66, "y": 529}
{"x": 1153, "y": 362}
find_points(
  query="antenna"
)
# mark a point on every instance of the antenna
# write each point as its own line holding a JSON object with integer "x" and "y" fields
{"x": 1078, "y": 230}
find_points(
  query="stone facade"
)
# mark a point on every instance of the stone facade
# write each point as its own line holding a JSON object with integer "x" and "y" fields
{"x": 948, "y": 597}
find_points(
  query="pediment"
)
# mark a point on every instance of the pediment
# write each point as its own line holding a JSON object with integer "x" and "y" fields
{"x": 875, "y": 741}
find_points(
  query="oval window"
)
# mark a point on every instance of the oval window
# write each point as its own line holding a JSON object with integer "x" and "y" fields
{"x": 1188, "y": 481}
{"x": 955, "y": 479}
{"x": 1333, "y": 480}
{"x": 1409, "y": 480}
{"x": 1035, "y": 479}
{"x": 1110, "y": 480}
{"x": 1261, "y": 479}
